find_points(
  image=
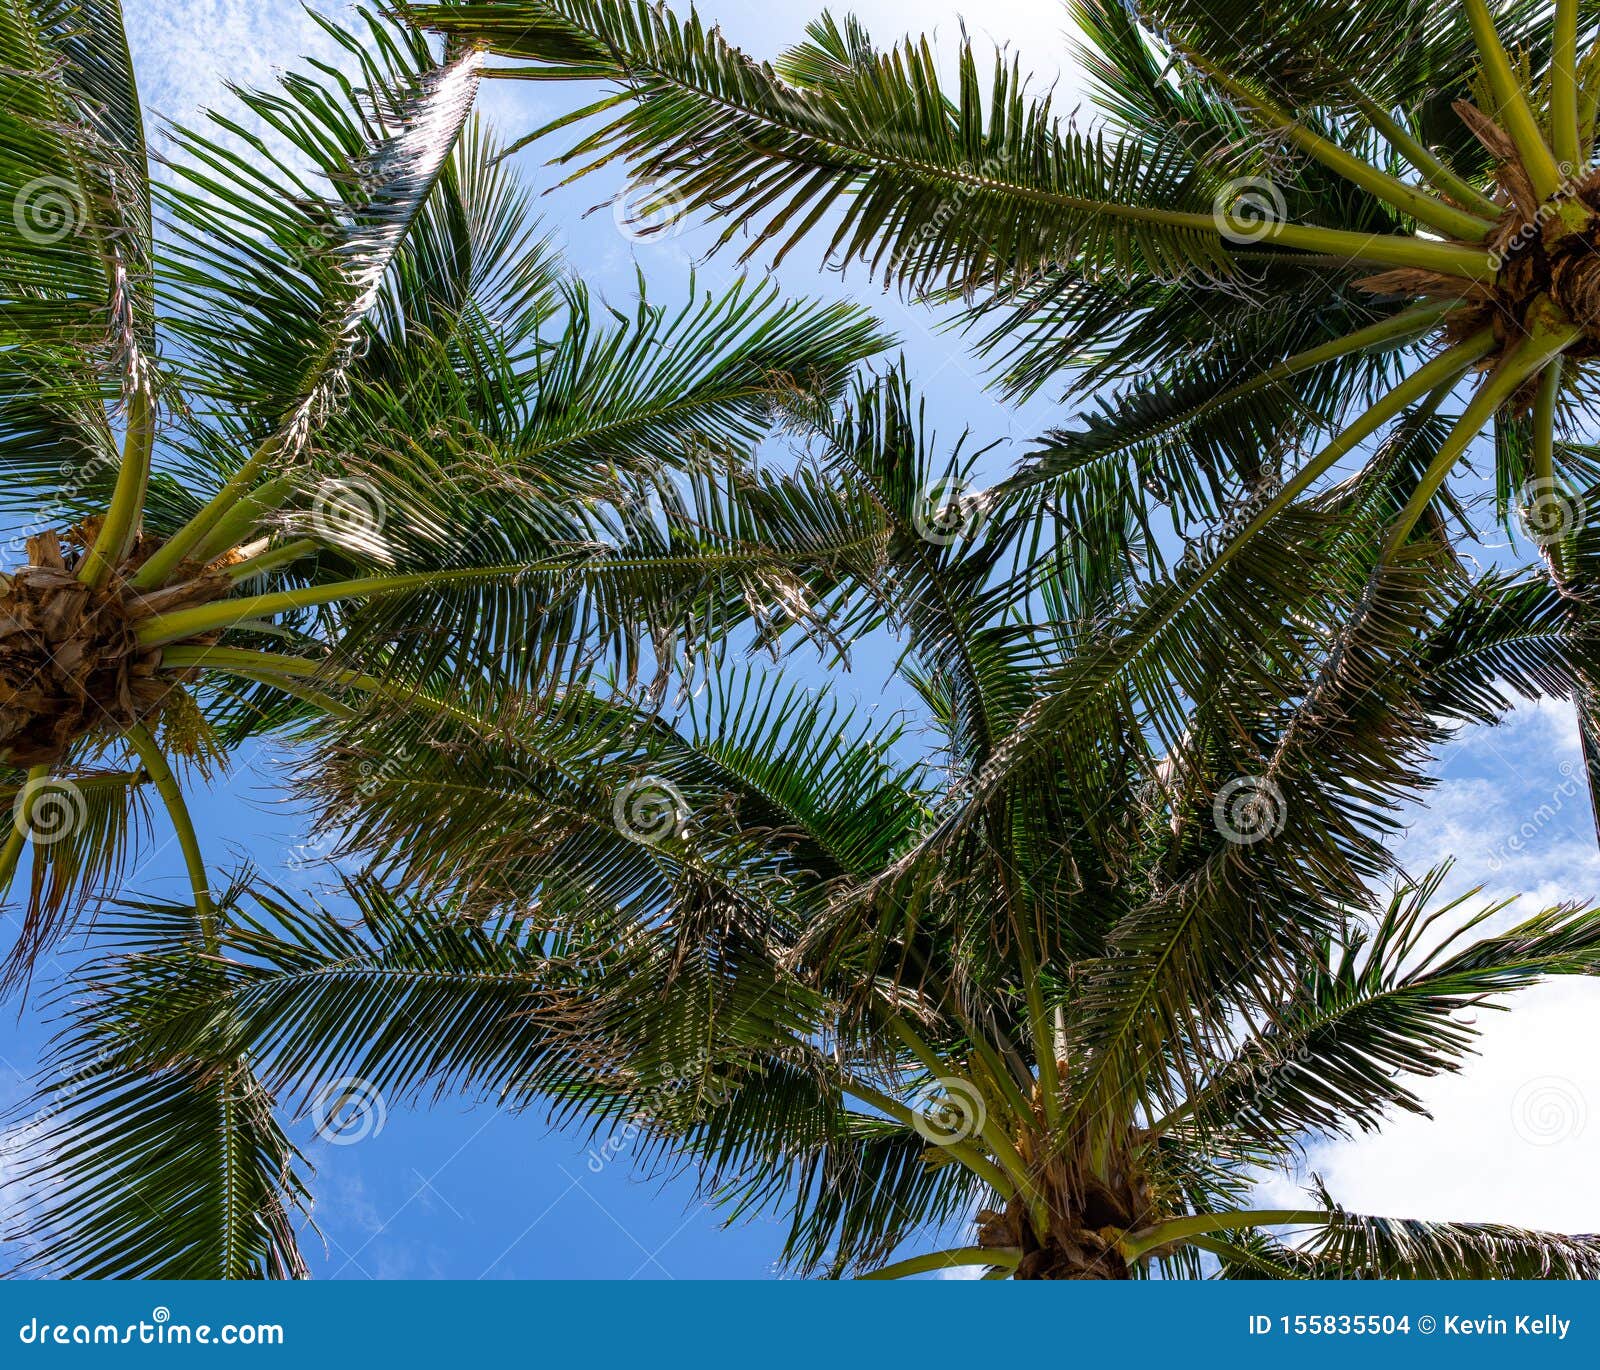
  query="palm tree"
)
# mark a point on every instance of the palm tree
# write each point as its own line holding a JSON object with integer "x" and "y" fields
{"x": 1075, "y": 1031}
{"x": 317, "y": 411}
{"x": 1290, "y": 230}
{"x": 342, "y": 411}
{"x": 1067, "y": 977}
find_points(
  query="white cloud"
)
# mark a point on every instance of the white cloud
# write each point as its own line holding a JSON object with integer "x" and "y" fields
{"x": 1514, "y": 1138}
{"x": 186, "y": 54}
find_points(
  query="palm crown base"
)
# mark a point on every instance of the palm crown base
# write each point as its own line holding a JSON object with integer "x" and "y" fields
{"x": 71, "y": 661}
{"x": 1547, "y": 267}
{"x": 1090, "y": 1214}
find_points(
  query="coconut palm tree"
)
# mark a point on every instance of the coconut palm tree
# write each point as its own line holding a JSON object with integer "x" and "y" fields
{"x": 1066, "y": 978}
{"x": 1068, "y": 1037}
{"x": 1288, "y": 229}
{"x": 319, "y": 400}
{"x": 308, "y": 407}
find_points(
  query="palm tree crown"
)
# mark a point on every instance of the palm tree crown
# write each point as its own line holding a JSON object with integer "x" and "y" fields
{"x": 316, "y": 412}
{"x": 1122, "y": 929}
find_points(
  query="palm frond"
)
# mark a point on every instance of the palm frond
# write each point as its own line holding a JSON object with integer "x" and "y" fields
{"x": 138, "y": 1160}
{"x": 1383, "y": 1009}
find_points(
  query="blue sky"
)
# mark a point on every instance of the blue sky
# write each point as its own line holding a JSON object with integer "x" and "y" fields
{"x": 459, "y": 1192}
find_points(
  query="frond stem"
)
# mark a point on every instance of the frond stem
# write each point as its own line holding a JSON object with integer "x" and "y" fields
{"x": 1005, "y": 1257}
{"x": 121, "y": 521}
{"x": 1515, "y": 113}
{"x": 1426, "y": 163}
{"x": 1544, "y": 456}
{"x": 990, "y": 1129}
{"x": 171, "y": 793}
{"x": 1395, "y": 331}
{"x": 1135, "y": 1244}
{"x": 1564, "y": 138}
{"x": 272, "y": 558}
{"x": 1425, "y": 208}
{"x": 244, "y": 518}
{"x": 1447, "y": 367}
{"x": 17, "y": 838}
{"x": 968, "y": 1156}
{"x": 1536, "y": 350}
{"x": 177, "y": 548}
